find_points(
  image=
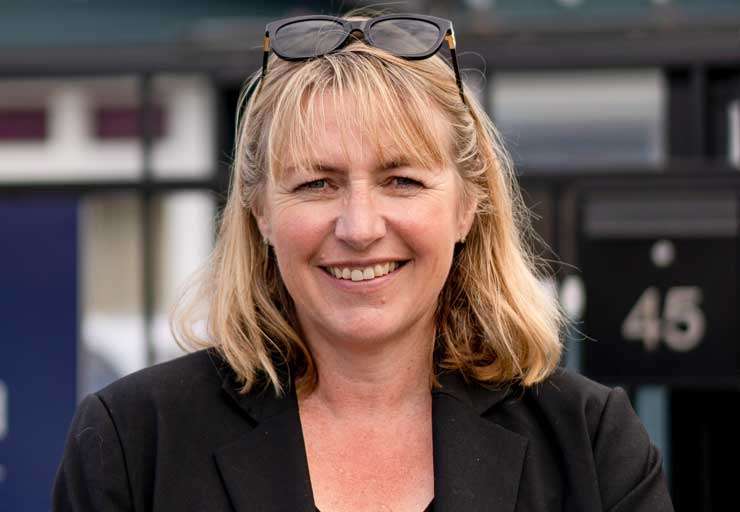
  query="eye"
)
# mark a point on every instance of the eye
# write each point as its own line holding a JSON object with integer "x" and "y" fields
{"x": 313, "y": 185}
{"x": 405, "y": 183}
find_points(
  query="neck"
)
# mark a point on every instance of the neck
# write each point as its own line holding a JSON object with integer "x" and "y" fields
{"x": 359, "y": 381}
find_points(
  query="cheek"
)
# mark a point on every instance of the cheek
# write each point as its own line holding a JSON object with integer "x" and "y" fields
{"x": 298, "y": 230}
{"x": 433, "y": 218}
{"x": 431, "y": 234}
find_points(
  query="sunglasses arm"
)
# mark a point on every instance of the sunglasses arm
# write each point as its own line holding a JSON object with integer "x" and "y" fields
{"x": 450, "y": 38}
{"x": 265, "y": 55}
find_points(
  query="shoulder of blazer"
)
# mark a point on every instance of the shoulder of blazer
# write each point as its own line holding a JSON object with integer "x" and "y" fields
{"x": 567, "y": 394}
{"x": 596, "y": 428}
{"x": 176, "y": 388}
{"x": 569, "y": 389}
{"x": 200, "y": 381}
{"x": 160, "y": 381}
{"x": 563, "y": 390}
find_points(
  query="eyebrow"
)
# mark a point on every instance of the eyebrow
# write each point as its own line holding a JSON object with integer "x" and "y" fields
{"x": 322, "y": 167}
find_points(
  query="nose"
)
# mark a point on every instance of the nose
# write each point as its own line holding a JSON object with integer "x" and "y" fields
{"x": 359, "y": 223}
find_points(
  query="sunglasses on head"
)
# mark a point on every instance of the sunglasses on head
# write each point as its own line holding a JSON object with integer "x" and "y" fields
{"x": 410, "y": 36}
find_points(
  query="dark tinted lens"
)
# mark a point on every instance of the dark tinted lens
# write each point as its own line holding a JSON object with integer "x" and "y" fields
{"x": 308, "y": 38}
{"x": 405, "y": 38}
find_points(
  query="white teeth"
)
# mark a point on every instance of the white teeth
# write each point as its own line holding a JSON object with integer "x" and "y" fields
{"x": 365, "y": 273}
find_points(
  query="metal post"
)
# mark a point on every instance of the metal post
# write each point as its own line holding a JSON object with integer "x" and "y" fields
{"x": 146, "y": 120}
{"x": 652, "y": 406}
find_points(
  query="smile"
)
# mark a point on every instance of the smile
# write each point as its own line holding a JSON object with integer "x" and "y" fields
{"x": 364, "y": 273}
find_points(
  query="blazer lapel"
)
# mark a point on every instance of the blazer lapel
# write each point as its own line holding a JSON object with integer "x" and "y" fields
{"x": 266, "y": 469}
{"x": 477, "y": 463}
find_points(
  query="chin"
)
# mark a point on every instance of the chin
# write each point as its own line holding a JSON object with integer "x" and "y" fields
{"x": 366, "y": 333}
{"x": 365, "y": 330}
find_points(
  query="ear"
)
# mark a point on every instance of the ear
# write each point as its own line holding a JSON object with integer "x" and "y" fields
{"x": 263, "y": 221}
{"x": 468, "y": 208}
{"x": 264, "y": 227}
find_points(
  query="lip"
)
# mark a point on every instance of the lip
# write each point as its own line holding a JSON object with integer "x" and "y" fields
{"x": 363, "y": 263}
{"x": 369, "y": 286}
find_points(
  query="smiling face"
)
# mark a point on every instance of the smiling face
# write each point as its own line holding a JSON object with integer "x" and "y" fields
{"x": 364, "y": 242}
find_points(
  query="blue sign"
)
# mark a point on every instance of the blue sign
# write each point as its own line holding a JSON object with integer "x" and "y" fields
{"x": 38, "y": 344}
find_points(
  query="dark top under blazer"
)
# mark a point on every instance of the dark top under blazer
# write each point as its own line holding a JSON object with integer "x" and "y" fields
{"x": 179, "y": 437}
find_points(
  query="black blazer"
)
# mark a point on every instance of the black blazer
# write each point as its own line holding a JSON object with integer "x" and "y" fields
{"x": 178, "y": 437}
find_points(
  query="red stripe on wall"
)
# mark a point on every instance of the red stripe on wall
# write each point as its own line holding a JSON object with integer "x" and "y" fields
{"x": 22, "y": 125}
{"x": 121, "y": 122}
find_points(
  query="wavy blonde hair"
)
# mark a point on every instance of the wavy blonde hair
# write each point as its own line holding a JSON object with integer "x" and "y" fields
{"x": 495, "y": 321}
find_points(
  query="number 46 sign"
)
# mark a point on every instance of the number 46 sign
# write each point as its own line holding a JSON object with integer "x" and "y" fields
{"x": 681, "y": 324}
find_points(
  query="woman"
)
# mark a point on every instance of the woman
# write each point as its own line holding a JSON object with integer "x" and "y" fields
{"x": 377, "y": 337}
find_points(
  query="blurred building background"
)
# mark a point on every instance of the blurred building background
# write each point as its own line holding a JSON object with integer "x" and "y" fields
{"x": 623, "y": 117}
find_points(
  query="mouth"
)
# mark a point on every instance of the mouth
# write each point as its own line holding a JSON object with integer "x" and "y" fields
{"x": 365, "y": 273}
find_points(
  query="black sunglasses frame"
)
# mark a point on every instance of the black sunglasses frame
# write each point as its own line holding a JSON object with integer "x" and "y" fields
{"x": 444, "y": 27}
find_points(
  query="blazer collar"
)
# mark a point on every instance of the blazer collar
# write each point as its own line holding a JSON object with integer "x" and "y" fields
{"x": 477, "y": 463}
{"x": 266, "y": 469}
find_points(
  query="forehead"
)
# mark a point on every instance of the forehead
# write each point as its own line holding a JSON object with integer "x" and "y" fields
{"x": 335, "y": 128}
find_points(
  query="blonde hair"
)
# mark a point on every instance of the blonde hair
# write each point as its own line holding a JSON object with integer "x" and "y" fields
{"x": 495, "y": 322}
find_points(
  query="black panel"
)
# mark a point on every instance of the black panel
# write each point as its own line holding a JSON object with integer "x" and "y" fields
{"x": 619, "y": 272}
{"x": 705, "y": 448}
{"x": 686, "y": 112}
{"x": 661, "y": 288}
{"x": 724, "y": 87}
